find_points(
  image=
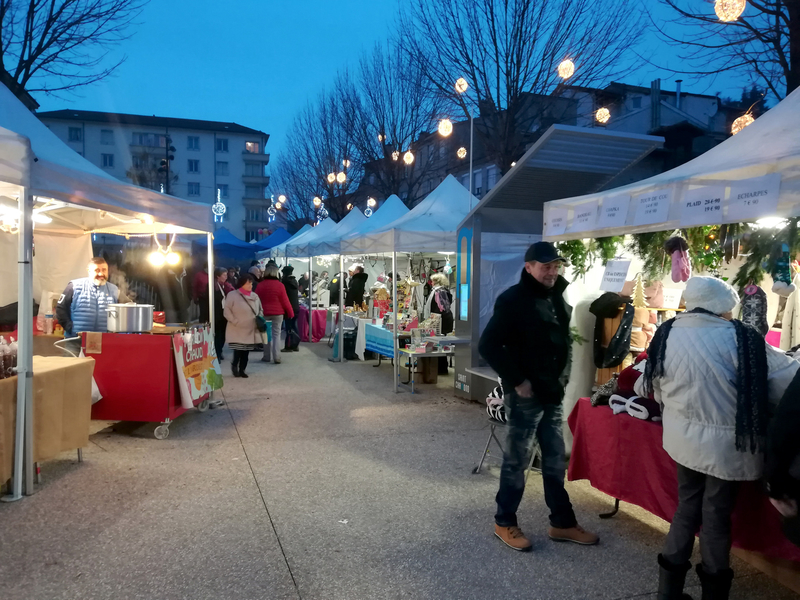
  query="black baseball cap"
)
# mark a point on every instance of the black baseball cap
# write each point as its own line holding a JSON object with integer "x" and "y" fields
{"x": 543, "y": 252}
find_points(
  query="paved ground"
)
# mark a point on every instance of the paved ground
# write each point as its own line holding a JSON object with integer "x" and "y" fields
{"x": 315, "y": 482}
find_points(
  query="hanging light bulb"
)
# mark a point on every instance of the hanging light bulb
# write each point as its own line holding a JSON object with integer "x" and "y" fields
{"x": 371, "y": 202}
{"x": 461, "y": 152}
{"x": 349, "y": 206}
{"x": 408, "y": 157}
{"x": 445, "y": 127}
{"x": 566, "y": 69}
{"x": 461, "y": 85}
{"x": 395, "y": 155}
{"x": 317, "y": 201}
{"x": 514, "y": 164}
{"x": 281, "y": 198}
{"x": 741, "y": 123}
{"x": 173, "y": 258}
{"x": 381, "y": 137}
{"x": 157, "y": 258}
{"x": 346, "y": 163}
{"x": 729, "y": 10}
{"x": 602, "y": 115}
{"x": 279, "y": 205}
{"x": 341, "y": 177}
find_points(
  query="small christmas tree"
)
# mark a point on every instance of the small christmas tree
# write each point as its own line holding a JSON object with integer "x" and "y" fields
{"x": 639, "y": 299}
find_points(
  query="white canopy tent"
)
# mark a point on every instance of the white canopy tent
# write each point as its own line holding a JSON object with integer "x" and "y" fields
{"x": 391, "y": 210}
{"x": 280, "y": 249}
{"x": 752, "y": 175}
{"x": 330, "y": 243}
{"x": 299, "y": 246}
{"x": 42, "y": 179}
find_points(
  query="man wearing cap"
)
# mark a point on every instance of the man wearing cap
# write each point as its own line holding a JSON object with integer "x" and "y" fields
{"x": 527, "y": 341}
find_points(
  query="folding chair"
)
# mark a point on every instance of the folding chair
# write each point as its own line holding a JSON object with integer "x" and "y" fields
{"x": 493, "y": 424}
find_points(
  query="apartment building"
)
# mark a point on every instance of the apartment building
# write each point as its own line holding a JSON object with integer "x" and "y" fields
{"x": 211, "y": 160}
{"x": 690, "y": 124}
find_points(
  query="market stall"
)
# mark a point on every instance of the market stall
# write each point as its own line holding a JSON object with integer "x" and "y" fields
{"x": 44, "y": 181}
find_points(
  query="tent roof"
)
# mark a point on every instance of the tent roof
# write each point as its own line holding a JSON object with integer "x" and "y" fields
{"x": 565, "y": 161}
{"x": 330, "y": 243}
{"x": 61, "y": 174}
{"x": 771, "y": 145}
{"x": 223, "y": 237}
{"x": 391, "y": 210}
{"x": 298, "y": 247}
{"x": 278, "y": 236}
{"x": 429, "y": 227}
{"x": 281, "y": 248}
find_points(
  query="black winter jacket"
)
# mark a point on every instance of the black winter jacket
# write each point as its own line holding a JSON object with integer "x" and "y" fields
{"x": 292, "y": 290}
{"x": 528, "y": 337}
{"x": 355, "y": 293}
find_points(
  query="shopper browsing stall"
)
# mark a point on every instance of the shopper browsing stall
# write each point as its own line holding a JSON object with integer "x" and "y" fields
{"x": 527, "y": 341}
{"x": 292, "y": 291}
{"x": 242, "y": 308}
{"x": 275, "y": 302}
{"x": 715, "y": 378}
{"x": 358, "y": 283}
{"x": 439, "y": 302}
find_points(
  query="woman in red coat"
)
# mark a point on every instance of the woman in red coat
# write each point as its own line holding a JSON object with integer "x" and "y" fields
{"x": 276, "y": 305}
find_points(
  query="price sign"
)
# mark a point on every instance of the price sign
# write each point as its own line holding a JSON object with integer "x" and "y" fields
{"x": 672, "y": 298}
{"x": 615, "y": 275}
{"x": 556, "y": 223}
{"x": 754, "y": 198}
{"x": 584, "y": 217}
{"x": 614, "y": 212}
{"x": 702, "y": 206}
{"x": 652, "y": 208}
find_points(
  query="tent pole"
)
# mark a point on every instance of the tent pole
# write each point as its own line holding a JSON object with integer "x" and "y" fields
{"x": 211, "y": 281}
{"x": 396, "y": 338}
{"x": 310, "y": 305}
{"x": 341, "y": 309}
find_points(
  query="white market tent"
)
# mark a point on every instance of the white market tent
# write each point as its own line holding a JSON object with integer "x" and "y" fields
{"x": 298, "y": 246}
{"x": 429, "y": 227}
{"x": 280, "y": 249}
{"x": 330, "y": 243}
{"x": 388, "y": 212}
{"x": 752, "y": 175}
{"x": 44, "y": 180}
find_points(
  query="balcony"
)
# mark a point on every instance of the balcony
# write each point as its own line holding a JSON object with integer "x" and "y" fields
{"x": 255, "y": 179}
{"x": 256, "y": 202}
{"x": 252, "y": 156}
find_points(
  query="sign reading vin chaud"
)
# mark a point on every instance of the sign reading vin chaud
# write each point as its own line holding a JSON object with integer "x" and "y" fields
{"x": 754, "y": 198}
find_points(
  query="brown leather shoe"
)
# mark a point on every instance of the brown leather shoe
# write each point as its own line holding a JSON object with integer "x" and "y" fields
{"x": 513, "y": 538}
{"x": 576, "y": 535}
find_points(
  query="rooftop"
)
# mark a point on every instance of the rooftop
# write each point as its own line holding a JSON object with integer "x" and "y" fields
{"x": 147, "y": 121}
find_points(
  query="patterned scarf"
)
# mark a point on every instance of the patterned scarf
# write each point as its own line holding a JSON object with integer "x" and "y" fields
{"x": 751, "y": 380}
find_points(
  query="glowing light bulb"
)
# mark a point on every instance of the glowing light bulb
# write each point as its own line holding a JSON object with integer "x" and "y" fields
{"x": 461, "y": 85}
{"x": 602, "y": 115}
{"x": 317, "y": 201}
{"x": 341, "y": 177}
{"x": 461, "y": 152}
{"x": 281, "y": 198}
{"x": 395, "y": 155}
{"x": 173, "y": 258}
{"x": 157, "y": 258}
{"x": 408, "y": 157}
{"x": 346, "y": 163}
{"x": 566, "y": 69}
{"x": 729, "y": 10}
{"x": 331, "y": 177}
{"x": 741, "y": 123}
{"x": 371, "y": 202}
{"x": 445, "y": 127}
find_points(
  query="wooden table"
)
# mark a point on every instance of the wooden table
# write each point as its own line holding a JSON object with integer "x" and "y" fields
{"x": 62, "y": 407}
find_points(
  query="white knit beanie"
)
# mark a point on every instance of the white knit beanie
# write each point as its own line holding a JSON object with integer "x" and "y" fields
{"x": 710, "y": 293}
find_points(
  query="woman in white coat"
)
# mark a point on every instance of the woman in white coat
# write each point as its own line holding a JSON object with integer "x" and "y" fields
{"x": 716, "y": 379}
{"x": 241, "y": 307}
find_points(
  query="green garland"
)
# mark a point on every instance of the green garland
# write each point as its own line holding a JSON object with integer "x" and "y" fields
{"x": 580, "y": 256}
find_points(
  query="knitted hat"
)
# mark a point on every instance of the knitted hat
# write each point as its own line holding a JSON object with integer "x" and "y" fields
{"x": 710, "y": 293}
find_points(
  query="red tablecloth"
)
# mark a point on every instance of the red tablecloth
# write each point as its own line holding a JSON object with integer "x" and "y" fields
{"x": 320, "y": 316}
{"x": 623, "y": 457}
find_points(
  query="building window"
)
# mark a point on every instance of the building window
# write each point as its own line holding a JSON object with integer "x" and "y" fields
{"x": 223, "y": 190}
{"x": 252, "y": 191}
{"x": 477, "y": 184}
{"x": 442, "y": 150}
{"x": 253, "y": 214}
{"x": 250, "y": 236}
{"x": 106, "y": 137}
{"x": 108, "y": 161}
{"x": 193, "y": 143}
{"x": 252, "y": 147}
{"x": 75, "y": 134}
{"x": 431, "y": 152}
{"x": 491, "y": 177}
{"x": 222, "y": 145}
{"x": 253, "y": 170}
{"x": 153, "y": 140}
{"x": 193, "y": 166}
{"x": 194, "y": 188}
{"x": 222, "y": 167}
{"x": 637, "y": 102}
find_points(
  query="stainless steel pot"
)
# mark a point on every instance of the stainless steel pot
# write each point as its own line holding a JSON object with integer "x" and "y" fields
{"x": 129, "y": 318}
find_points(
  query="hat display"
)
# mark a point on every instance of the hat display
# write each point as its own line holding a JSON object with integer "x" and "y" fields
{"x": 543, "y": 252}
{"x": 711, "y": 294}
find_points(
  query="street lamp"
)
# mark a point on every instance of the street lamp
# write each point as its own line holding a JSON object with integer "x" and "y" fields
{"x": 461, "y": 85}
{"x": 408, "y": 157}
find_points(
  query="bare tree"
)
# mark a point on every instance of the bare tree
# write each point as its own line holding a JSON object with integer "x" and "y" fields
{"x": 59, "y": 45}
{"x": 763, "y": 43}
{"x": 508, "y": 51}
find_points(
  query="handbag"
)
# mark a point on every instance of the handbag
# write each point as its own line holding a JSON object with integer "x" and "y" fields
{"x": 261, "y": 321}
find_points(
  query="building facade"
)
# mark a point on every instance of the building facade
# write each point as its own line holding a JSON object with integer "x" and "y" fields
{"x": 211, "y": 160}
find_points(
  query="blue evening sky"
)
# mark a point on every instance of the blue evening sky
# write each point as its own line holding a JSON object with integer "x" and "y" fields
{"x": 257, "y": 62}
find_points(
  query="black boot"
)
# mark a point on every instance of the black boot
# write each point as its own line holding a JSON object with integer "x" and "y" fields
{"x": 671, "y": 579}
{"x": 716, "y": 586}
{"x": 235, "y": 370}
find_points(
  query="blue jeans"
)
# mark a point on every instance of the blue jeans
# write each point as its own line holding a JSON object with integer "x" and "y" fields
{"x": 529, "y": 418}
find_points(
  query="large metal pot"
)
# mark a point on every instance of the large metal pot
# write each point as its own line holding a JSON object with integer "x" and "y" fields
{"x": 129, "y": 318}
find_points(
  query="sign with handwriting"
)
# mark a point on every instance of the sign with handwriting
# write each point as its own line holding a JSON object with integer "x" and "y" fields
{"x": 652, "y": 208}
{"x": 615, "y": 274}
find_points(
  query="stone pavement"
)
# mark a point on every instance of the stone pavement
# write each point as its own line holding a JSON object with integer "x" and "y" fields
{"x": 315, "y": 482}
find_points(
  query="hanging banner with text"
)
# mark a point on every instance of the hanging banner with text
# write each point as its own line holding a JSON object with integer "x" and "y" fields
{"x": 615, "y": 274}
{"x": 556, "y": 221}
{"x": 702, "y": 206}
{"x": 614, "y": 212}
{"x": 199, "y": 372}
{"x": 754, "y": 198}
{"x": 584, "y": 217}
{"x": 652, "y": 208}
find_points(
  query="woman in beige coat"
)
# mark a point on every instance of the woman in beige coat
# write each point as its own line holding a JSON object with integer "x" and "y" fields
{"x": 241, "y": 308}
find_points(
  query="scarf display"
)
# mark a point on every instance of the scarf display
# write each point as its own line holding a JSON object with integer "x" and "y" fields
{"x": 751, "y": 380}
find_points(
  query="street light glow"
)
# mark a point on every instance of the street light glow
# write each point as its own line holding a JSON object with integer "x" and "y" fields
{"x": 317, "y": 201}
{"x": 461, "y": 152}
{"x": 445, "y": 127}
{"x": 278, "y": 205}
{"x": 566, "y": 69}
{"x": 281, "y": 198}
{"x": 461, "y": 85}
{"x": 331, "y": 177}
{"x": 729, "y": 10}
{"x": 341, "y": 177}
{"x": 371, "y": 202}
{"x": 408, "y": 157}
{"x": 602, "y": 115}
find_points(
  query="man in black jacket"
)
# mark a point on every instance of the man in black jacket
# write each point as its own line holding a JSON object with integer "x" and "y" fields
{"x": 358, "y": 283}
{"x": 527, "y": 341}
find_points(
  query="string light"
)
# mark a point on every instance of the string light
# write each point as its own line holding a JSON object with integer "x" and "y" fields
{"x": 445, "y": 127}
{"x": 279, "y": 205}
{"x": 371, "y": 202}
{"x": 461, "y": 152}
{"x": 602, "y": 115}
{"x": 349, "y": 206}
{"x": 281, "y": 198}
{"x": 317, "y": 201}
{"x": 741, "y": 123}
{"x": 461, "y": 85}
{"x": 341, "y": 177}
{"x": 395, "y": 155}
{"x": 408, "y": 157}
{"x": 346, "y": 163}
{"x": 566, "y": 69}
{"x": 331, "y": 177}
{"x": 729, "y": 10}
{"x": 381, "y": 137}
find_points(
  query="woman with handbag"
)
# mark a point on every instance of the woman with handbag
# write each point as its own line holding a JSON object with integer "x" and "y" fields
{"x": 245, "y": 323}
{"x": 276, "y": 305}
